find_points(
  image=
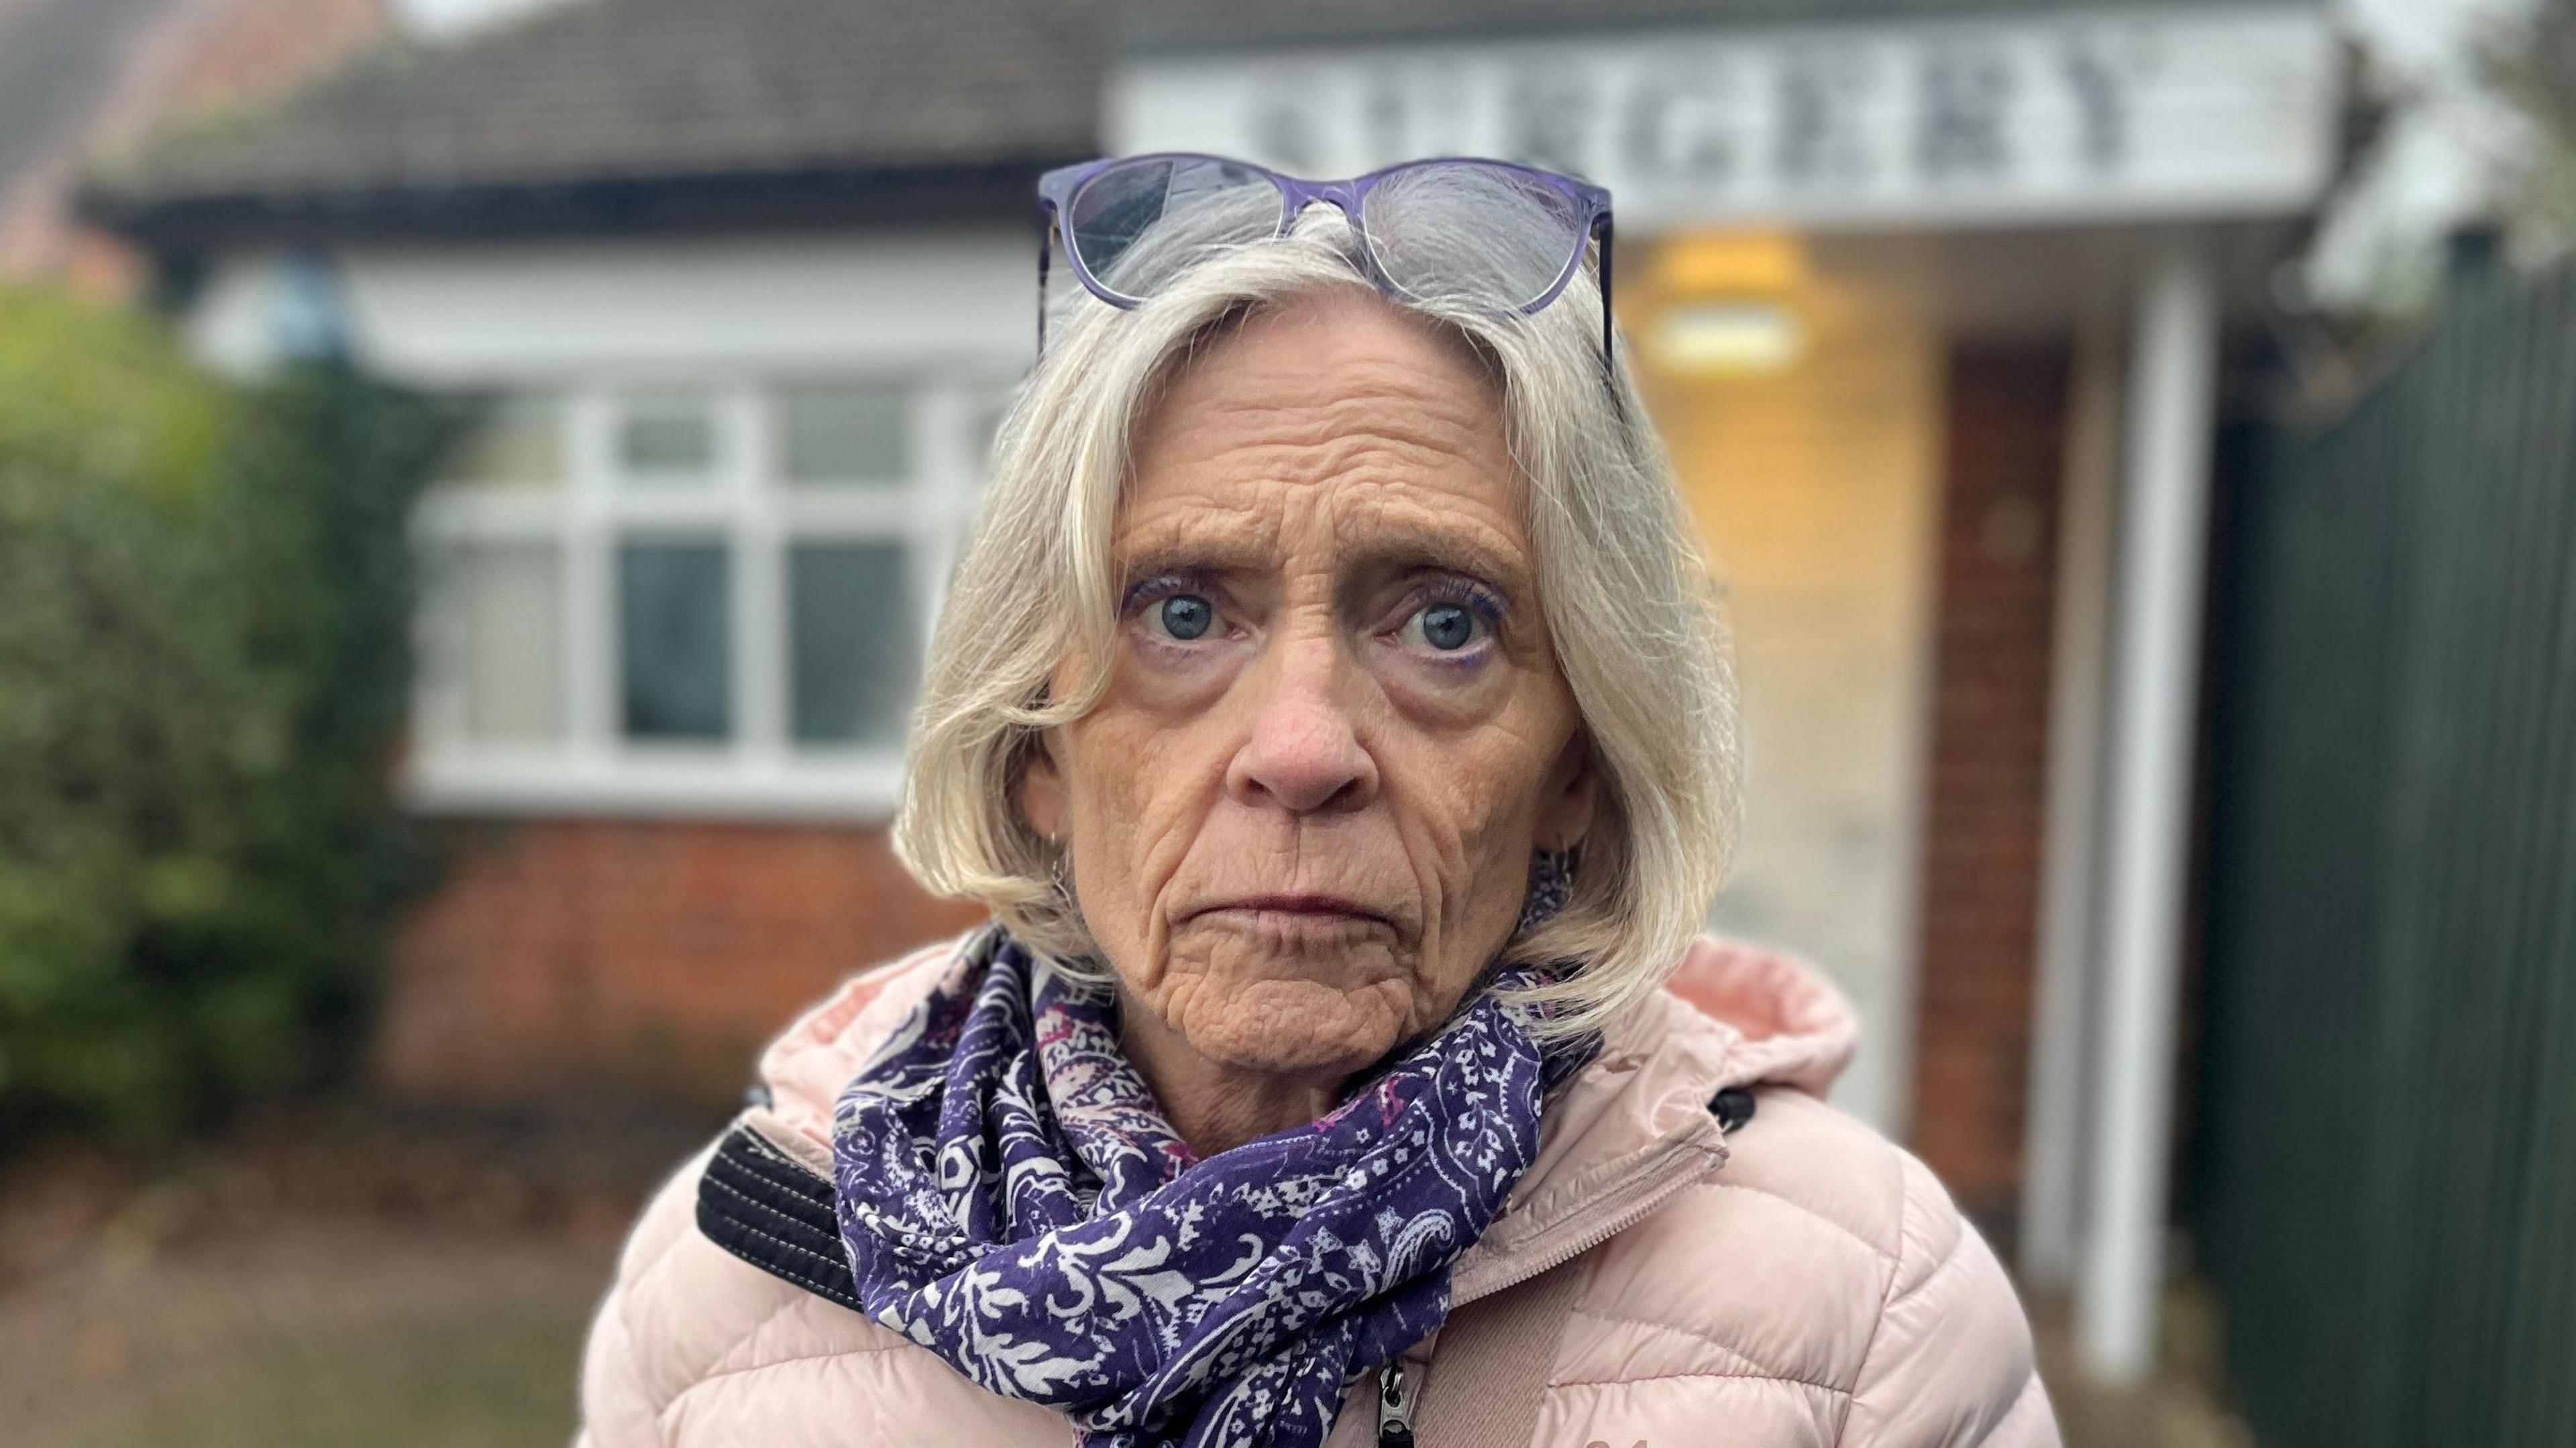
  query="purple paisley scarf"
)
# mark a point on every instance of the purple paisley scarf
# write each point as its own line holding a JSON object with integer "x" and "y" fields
{"x": 1013, "y": 1199}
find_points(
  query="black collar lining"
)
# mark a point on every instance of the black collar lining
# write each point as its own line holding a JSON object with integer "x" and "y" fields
{"x": 772, "y": 1212}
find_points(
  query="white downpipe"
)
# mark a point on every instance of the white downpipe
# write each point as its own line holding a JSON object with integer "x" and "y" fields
{"x": 2164, "y": 526}
{"x": 2053, "y": 1159}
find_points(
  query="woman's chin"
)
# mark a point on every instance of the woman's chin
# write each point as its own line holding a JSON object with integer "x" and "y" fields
{"x": 1293, "y": 1027}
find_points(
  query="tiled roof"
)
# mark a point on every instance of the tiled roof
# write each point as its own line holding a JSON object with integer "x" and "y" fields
{"x": 610, "y": 90}
{"x": 56, "y": 59}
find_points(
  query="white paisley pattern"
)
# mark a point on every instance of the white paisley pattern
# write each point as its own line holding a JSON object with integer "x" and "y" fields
{"x": 1013, "y": 1199}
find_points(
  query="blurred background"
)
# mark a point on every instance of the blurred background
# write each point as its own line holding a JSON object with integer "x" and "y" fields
{"x": 476, "y": 475}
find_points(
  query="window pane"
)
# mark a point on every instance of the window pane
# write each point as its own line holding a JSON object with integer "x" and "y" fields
{"x": 850, "y": 621}
{"x": 850, "y": 436}
{"x": 517, "y": 442}
{"x": 666, "y": 438}
{"x": 674, "y": 626}
{"x": 503, "y": 605}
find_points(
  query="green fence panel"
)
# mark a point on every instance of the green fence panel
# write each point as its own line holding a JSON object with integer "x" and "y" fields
{"x": 2384, "y": 1180}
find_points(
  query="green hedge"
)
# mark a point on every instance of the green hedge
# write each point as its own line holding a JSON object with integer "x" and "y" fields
{"x": 204, "y": 602}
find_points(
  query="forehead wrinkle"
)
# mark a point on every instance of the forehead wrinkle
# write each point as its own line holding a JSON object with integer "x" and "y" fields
{"x": 1197, "y": 531}
{"x": 1242, "y": 512}
{"x": 1369, "y": 457}
{"x": 1240, "y": 464}
{"x": 1449, "y": 515}
{"x": 1380, "y": 525}
{"x": 1230, "y": 471}
{"x": 1436, "y": 423}
{"x": 1449, "y": 540}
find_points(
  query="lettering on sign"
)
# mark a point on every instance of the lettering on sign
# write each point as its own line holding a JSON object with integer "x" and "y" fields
{"x": 2202, "y": 112}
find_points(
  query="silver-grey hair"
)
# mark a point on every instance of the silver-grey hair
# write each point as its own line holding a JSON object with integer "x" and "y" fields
{"x": 1627, "y": 596}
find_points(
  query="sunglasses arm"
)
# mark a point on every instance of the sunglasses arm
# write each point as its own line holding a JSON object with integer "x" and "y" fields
{"x": 1046, "y": 232}
{"x": 1609, "y": 358}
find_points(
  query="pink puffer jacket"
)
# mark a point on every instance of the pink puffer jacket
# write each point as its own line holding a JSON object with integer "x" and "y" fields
{"x": 1795, "y": 1281}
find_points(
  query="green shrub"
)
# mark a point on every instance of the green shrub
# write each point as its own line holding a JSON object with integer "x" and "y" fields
{"x": 204, "y": 603}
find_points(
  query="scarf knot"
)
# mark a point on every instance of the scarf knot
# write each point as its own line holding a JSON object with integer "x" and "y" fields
{"x": 1013, "y": 1199}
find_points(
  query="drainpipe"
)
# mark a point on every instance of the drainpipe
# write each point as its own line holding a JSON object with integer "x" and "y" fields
{"x": 2070, "y": 935}
{"x": 2164, "y": 524}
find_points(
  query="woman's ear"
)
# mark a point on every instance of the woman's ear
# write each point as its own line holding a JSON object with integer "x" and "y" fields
{"x": 1040, "y": 791}
{"x": 1565, "y": 804}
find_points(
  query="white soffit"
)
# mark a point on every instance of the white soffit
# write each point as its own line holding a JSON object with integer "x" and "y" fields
{"x": 473, "y": 314}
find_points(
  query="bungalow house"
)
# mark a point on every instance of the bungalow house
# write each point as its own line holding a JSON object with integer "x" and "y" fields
{"x": 1931, "y": 299}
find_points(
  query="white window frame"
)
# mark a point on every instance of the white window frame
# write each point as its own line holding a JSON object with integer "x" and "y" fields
{"x": 760, "y": 771}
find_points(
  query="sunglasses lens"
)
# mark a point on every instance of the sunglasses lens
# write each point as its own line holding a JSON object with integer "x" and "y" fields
{"x": 1462, "y": 231}
{"x": 1140, "y": 223}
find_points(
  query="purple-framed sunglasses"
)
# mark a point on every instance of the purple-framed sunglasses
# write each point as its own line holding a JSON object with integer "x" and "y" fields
{"x": 1456, "y": 228}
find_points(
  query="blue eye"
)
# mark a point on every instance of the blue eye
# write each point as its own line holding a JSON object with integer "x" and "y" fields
{"x": 1453, "y": 617}
{"x": 1186, "y": 616}
{"x": 1446, "y": 626}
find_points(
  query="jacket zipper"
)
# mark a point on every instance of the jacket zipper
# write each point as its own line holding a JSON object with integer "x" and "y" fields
{"x": 1395, "y": 1402}
{"x": 1394, "y": 1407}
{"x": 1636, "y": 1210}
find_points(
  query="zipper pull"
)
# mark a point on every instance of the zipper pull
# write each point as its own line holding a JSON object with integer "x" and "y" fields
{"x": 1394, "y": 1408}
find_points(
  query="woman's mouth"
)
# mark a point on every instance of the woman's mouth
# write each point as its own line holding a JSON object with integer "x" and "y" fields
{"x": 1299, "y": 910}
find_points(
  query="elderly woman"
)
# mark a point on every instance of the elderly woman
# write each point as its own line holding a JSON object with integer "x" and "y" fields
{"x": 1330, "y": 711}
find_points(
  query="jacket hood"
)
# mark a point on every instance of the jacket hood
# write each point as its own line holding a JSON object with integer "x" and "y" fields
{"x": 1781, "y": 1021}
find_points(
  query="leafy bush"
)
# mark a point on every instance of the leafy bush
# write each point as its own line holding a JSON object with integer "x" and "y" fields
{"x": 204, "y": 602}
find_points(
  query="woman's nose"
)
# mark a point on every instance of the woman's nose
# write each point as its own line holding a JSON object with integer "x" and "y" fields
{"x": 1302, "y": 755}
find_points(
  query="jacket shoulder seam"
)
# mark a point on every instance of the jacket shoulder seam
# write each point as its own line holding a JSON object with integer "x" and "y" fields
{"x": 1897, "y": 1292}
{"x": 761, "y": 1367}
{"x": 1887, "y": 1299}
{"x": 1719, "y": 1183}
{"x": 1753, "y": 1368}
{"x": 1947, "y": 1261}
{"x": 1786, "y": 1382}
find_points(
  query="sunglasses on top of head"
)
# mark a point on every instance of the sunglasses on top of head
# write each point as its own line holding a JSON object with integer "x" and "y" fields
{"x": 1491, "y": 234}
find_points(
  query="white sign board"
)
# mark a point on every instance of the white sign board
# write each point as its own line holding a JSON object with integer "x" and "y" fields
{"x": 2183, "y": 113}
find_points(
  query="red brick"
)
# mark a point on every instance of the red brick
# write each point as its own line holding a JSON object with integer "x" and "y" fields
{"x": 599, "y": 957}
{"x": 1978, "y": 933}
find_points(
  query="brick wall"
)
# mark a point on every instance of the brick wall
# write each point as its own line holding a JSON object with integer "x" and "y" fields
{"x": 2002, "y": 466}
{"x": 592, "y": 957}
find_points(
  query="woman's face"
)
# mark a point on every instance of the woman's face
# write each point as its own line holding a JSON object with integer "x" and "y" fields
{"x": 1301, "y": 819}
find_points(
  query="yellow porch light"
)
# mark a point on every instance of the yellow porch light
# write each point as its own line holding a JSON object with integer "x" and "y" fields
{"x": 1730, "y": 262}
